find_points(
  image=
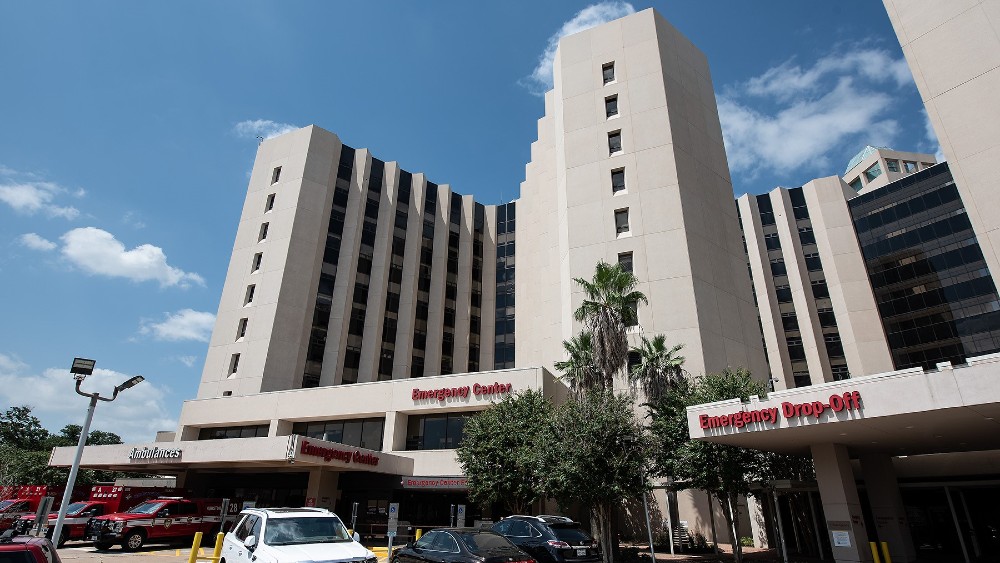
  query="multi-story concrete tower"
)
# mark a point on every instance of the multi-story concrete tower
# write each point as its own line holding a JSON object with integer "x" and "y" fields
{"x": 953, "y": 49}
{"x": 630, "y": 167}
{"x": 348, "y": 269}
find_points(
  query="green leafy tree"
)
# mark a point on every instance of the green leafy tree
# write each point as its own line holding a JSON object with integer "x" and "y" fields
{"x": 608, "y": 310}
{"x": 579, "y": 368}
{"x": 500, "y": 451}
{"x": 595, "y": 454}
{"x": 659, "y": 369}
{"x": 20, "y": 429}
{"x": 725, "y": 472}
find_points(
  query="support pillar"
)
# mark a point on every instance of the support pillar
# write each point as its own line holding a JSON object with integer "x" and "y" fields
{"x": 322, "y": 488}
{"x": 841, "y": 504}
{"x": 758, "y": 523}
{"x": 887, "y": 507}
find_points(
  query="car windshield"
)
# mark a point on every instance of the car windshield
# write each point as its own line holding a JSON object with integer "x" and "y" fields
{"x": 75, "y": 507}
{"x": 288, "y": 531}
{"x": 570, "y": 533}
{"x": 146, "y": 508}
{"x": 478, "y": 542}
{"x": 5, "y": 504}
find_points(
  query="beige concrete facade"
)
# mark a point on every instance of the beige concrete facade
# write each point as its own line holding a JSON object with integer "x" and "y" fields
{"x": 681, "y": 230}
{"x": 953, "y": 50}
{"x": 875, "y": 167}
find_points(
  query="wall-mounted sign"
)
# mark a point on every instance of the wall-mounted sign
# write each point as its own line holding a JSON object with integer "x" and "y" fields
{"x": 480, "y": 391}
{"x": 330, "y": 454}
{"x": 458, "y": 483}
{"x": 850, "y": 401}
{"x": 150, "y": 454}
{"x": 841, "y": 539}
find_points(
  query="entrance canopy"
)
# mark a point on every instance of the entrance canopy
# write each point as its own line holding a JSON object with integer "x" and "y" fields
{"x": 278, "y": 452}
{"x": 908, "y": 412}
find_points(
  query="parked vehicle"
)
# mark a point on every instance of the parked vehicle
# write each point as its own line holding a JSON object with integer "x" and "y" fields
{"x": 103, "y": 500}
{"x": 286, "y": 535}
{"x": 26, "y": 549}
{"x": 25, "y": 499}
{"x": 550, "y": 539}
{"x": 461, "y": 545}
{"x": 164, "y": 518}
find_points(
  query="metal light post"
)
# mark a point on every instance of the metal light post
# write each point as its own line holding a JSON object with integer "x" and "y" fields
{"x": 81, "y": 368}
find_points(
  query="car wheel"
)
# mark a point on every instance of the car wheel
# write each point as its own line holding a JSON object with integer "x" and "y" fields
{"x": 133, "y": 540}
{"x": 103, "y": 545}
{"x": 62, "y": 539}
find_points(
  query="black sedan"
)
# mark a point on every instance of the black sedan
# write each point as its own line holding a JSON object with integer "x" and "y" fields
{"x": 461, "y": 545}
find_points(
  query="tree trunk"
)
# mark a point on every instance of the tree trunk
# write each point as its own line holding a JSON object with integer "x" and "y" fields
{"x": 605, "y": 532}
{"x": 733, "y": 525}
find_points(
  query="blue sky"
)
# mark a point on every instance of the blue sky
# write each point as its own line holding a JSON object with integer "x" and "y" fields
{"x": 128, "y": 130}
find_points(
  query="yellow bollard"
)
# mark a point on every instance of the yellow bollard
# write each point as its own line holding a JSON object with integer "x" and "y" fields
{"x": 419, "y": 533}
{"x": 885, "y": 552}
{"x": 217, "y": 552}
{"x": 195, "y": 547}
{"x": 874, "y": 551}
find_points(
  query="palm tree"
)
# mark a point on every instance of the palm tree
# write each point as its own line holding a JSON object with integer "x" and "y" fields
{"x": 579, "y": 369}
{"x": 659, "y": 367}
{"x": 609, "y": 309}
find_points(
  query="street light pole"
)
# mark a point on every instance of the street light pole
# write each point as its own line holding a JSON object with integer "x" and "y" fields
{"x": 81, "y": 369}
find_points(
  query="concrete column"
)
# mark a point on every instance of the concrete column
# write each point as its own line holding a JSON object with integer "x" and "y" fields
{"x": 322, "y": 487}
{"x": 394, "y": 432}
{"x": 758, "y": 524}
{"x": 280, "y": 427}
{"x": 887, "y": 507}
{"x": 841, "y": 505}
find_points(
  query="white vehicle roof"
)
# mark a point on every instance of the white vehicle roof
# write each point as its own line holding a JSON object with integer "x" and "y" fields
{"x": 290, "y": 512}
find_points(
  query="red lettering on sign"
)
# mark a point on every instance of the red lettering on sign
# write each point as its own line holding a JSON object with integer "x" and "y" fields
{"x": 836, "y": 403}
{"x": 330, "y": 454}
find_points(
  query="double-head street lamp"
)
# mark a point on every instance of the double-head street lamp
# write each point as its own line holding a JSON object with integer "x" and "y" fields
{"x": 81, "y": 368}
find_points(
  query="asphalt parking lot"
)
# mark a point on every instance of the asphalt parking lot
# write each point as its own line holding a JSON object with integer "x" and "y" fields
{"x": 84, "y": 552}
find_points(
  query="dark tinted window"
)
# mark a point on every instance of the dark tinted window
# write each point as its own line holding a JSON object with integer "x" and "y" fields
{"x": 478, "y": 543}
{"x": 571, "y": 533}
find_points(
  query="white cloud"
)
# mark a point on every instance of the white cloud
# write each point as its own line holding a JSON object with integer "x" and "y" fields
{"x": 134, "y": 220}
{"x": 136, "y": 415}
{"x": 262, "y": 127}
{"x": 186, "y": 324}
{"x": 36, "y": 242}
{"x": 787, "y": 81}
{"x": 189, "y": 361}
{"x": 30, "y": 198}
{"x": 98, "y": 252}
{"x": 932, "y": 139}
{"x": 841, "y": 98}
{"x": 540, "y": 79}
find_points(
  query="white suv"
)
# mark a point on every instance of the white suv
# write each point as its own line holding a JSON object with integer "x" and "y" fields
{"x": 288, "y": 535}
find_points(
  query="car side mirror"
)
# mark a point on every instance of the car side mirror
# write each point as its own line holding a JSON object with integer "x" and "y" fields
{"x": 356, "y": 537}
{"x": 409, "y": 545}
{"x": 250, "y": 542}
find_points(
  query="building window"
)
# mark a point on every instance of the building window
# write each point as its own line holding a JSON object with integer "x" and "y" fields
{"x": 621, "y": 221}
{"x": 614, "y": 142}
{"x": 611, "y": 106}
{"x": 771, "y": 241}
{"x": 633, "y": 319}
{"x": 909, "y": 166}
{"x": 813, "y": 263}
{"x": 234, "y": 364}
{"x": 873, "y": 172}
{"x": 926, "y": 164}
{"x": 625, "y": 261}
{"x": 778, "y": 267}
{"x": 856, "y": 184}
{"x": 435, "y": 431}
{"x": 840, "y": 372}
{"x": 227, "y": 393}
{"x": 806, "y": 235}
{"x": 892, "y": 165}
{"x": 789, "y": 321}
{"x": 275, "y": 174}
{"x": 248, "y": 299}
{"x": 255, "y": 431}
{"x": 362, "y": 433}
{"x": 783, "y": 293}
{"x": 257, "y": 259}
{"x": 608, "y": 70}
{"x": 263, "y": 232}
{"x": 269, "y": 204}
{"x": 241, "y": 328}
{"x": 820, "y": 289}
{"x": 618, "y": 180}
{"x": 801, "y": 378}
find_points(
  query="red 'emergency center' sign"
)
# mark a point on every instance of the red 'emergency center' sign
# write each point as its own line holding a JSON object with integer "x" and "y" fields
{"x": 850, "y": 401}
{"x": 447, "y": 392}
